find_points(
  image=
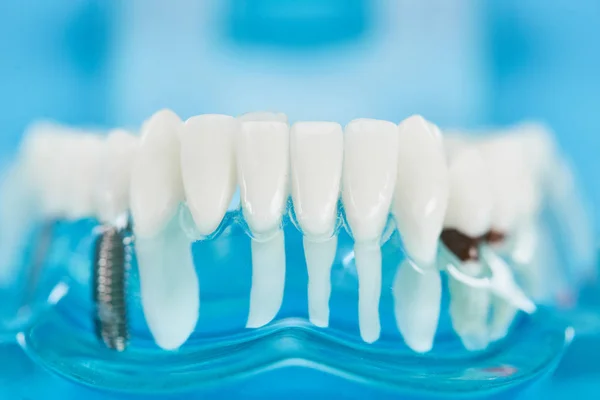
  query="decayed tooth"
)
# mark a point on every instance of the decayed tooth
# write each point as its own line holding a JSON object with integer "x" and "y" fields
{"x": 168, "y": 280}
{"x": 262, "y": 166}
{"x": 369, "y": 178}
{"x": 264, "y": 116}
{"x": 317, "y": 152}
{"x": 468, "y": 218}
{"x": 208, "y": 168}
{"x": 419, "y": 206}
{"x": 112, "y": 193}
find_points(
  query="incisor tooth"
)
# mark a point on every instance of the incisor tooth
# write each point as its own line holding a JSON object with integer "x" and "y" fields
{"x": 208, "y": 168}
{"x": 316, "y": 150}
{"x": 369, "y": 178}
{"x": 262, "y": 166}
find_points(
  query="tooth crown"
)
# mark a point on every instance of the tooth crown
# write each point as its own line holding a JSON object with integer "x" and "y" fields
{"x": 208, "y": 168}
{"x": 156, "y": 170}
{"x": 421, "y": 195}
{"x": 370, "y": 168}
{"x": 316, "y": 150}
{"x": 262, "y": 167}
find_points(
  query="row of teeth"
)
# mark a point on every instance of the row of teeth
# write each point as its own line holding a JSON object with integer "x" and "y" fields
{"x": 427, "y": 182}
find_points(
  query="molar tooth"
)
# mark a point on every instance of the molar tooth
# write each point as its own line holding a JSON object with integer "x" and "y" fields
{"x": 420, "y": 203}
{"x": 208, "y": 168}
{"x": 112, "y": 193}
{"x": 469, "y": 214}
{"x": 262, "y": 166}
{"x": 369, "y": 177}
{"x": 169, "y": 284}
{"x": 316, "y": 151}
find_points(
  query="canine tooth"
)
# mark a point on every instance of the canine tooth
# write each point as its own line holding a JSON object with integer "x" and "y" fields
{"x": 421, "y": 190}
{"x": 112, "y": 195}
{"x": 419, "y": 205}
{"x": 316, "y": 150}
{"x": 369, "y": 177}
{"x": 170, "y": 292}
{"x": 208, "y": 168}
{"x": 469, "y": 213}
{"x": 168, "y": 280}
{"x": 264, "y": 116}
{"x": 417, "y": 296}
{"x": 262, "y": 166}
{"x": 156, "y": 184}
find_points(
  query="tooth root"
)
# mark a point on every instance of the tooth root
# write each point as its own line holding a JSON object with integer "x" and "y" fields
{"x": 417, "y": 299}
{"x": 262, "y": 167}
{"x": 319, "y": 260}
{"x": 368, "y": 267}
{"x": 469, "y": 310}
{"x": 268, "y": 280}
{"x": 316, "y": 151}
{"x": 369, "y": 178}
{"x": 503, "y": 315}
{"x": 169, "y": 285}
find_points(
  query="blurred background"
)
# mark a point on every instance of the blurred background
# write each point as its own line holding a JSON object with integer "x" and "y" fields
{"x": 459, "y": 63}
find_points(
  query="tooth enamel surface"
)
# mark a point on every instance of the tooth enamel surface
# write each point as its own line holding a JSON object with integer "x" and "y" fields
{"x": 208, "y": 168}
{"x": 112, "y": 193}
{"x": 156, "y": 184}
{"x": 263, "y": 116}
{"x": 169, "y": 286}
{"x": 421, "y": 193}
{"x": 168, "y": 280}
{"x": 317, "y": 153}
{"x": 470, "y": 201}
{"x": 417, "y": 296}
{"x": 262, "y": 166}
{"x": 369, "y": 177}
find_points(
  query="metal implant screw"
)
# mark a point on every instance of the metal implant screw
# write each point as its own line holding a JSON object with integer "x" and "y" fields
{"x": 110, "y": 267}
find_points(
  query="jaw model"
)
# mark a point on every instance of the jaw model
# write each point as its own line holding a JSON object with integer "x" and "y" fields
{"x": 465, "y": 205}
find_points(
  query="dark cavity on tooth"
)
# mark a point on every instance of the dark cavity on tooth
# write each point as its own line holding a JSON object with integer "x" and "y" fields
{"x": 466, "y": 248}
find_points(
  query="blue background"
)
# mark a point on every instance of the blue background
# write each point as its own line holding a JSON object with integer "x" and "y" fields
{"x": 460, "y": 63}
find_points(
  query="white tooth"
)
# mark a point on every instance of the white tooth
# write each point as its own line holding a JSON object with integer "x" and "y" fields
{"x": 369, "y": 177}
{"x": 169, "y": 286}
{"x": 168, "y": 280}
{"x": 421, "y": 190}
{"x": 317, "y": 152}
{"x": 112, "y": 193}
{"x": 470, "y": 201}
{"x": 156, "y": 184}
{"x": 262, "y": 165}
{"x": 419, "y": 207}
{"x": 469, "y": 309}
{"x": 469, "y": 211}
{"x": 417, "y": 296}
{"x": 264, "y": 116}
{"x": 208, "y": 168}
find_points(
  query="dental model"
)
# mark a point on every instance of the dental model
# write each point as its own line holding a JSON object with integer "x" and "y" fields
{"x": 317, "y": 152}
{"x": 480, "y": 197}
{"x": 369, "y": 179}
{"x": 262, "y": 167}
{"x": 468, "y": 217}
{"x": 419, "y": 208}
{"x": 170, "y": 291}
